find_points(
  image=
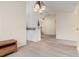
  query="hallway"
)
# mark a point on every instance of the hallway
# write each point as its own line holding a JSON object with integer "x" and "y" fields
{"x": 47, "y": 47}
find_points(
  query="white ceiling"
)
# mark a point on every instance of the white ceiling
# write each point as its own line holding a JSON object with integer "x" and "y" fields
{"x": 60, "y": 6}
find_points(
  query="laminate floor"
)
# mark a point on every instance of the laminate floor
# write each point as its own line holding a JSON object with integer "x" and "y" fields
{"x": 47, "y": 47}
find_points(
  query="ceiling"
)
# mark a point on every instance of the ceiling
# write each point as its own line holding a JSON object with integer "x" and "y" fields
{"x": 61, "y": 6}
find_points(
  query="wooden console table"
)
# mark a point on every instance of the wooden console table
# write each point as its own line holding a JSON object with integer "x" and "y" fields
{"x": 7, "y": 47}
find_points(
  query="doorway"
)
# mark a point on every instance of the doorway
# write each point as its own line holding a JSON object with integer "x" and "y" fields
{"x": 48, "y": 26}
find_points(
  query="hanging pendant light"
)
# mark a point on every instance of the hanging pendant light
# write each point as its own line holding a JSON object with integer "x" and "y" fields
{"x": 39, "y": 7}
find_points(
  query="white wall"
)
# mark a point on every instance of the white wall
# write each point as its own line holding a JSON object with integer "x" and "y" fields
{"x": 77, "y": 27}
{"x": 66, "y": 26}
{"x": 13, "y": 21}
{"x": 31, "y": 15}
{"x": 49, "y": 25}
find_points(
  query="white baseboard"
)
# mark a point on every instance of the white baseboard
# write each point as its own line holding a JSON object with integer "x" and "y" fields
{"x": 67, "y": 42}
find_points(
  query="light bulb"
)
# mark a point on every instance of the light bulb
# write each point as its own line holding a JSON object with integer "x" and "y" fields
{"x": 37, "y": 6}
{"x": 35, "y": 10}
{"x": 43, "y": 7}
{"x": 40, "y": 11}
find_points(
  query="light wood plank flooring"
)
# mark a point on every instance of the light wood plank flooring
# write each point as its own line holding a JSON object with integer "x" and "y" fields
{"x": 47, "y": 47}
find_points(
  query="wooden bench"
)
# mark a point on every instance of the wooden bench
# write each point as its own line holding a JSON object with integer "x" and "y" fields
{"x": 7, "y": 47}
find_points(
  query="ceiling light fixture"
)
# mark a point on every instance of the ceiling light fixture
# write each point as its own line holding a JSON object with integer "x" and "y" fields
{"x": 39, "y": 7}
